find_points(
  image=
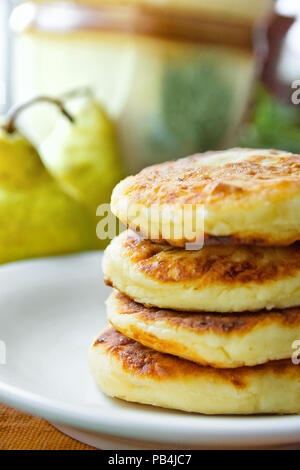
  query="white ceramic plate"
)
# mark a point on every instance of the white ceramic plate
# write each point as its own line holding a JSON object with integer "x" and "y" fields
{"x": 50, "y": 311}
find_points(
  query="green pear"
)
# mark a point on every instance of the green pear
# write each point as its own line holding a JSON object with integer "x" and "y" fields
{"x": 37, "y": 217}
{"x": 83, "y": 155}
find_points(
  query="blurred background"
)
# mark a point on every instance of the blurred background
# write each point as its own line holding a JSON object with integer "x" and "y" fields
{"x": 155, "y": 80}
{"x": 176, "y": 76}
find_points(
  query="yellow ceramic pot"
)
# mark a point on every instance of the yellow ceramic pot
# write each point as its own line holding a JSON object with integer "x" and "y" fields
{"x": 176, "y": 75}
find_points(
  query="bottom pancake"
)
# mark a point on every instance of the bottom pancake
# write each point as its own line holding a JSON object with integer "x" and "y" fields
{"x": 217, "y": 340}
{"x": 126, "y": 369}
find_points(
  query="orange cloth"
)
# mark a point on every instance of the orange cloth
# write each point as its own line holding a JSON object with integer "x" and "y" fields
{"x": 20, "y": 431}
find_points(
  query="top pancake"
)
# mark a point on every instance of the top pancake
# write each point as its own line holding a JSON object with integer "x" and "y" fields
{"x": 244, "y": 195}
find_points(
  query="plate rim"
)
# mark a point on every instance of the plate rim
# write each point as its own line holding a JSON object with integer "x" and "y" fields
{"x": 230, "y": 429}
{"x": 238, "y": 430}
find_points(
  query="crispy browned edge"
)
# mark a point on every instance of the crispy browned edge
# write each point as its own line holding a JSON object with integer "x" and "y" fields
{"x": 207, "y": 267}
{"x": 137, "y": 359}
{"x": 213, "y": 240}
{"x": 232, "y": 179}
{"x": 185, "y": 181}
{"x": 202, "y": 321}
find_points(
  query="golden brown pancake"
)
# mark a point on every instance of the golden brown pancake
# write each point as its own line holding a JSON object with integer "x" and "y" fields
{"x": 214, "y": 279}
{"x": 126, "y": 369}
{"x": 247, "y": 196}
{"x": 223, "y": 341}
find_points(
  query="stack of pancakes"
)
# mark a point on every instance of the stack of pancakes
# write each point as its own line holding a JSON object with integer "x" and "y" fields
{"x": 211, "y": 330}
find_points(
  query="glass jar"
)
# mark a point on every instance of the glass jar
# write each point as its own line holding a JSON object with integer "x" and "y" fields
{"x": 175, "y": 75}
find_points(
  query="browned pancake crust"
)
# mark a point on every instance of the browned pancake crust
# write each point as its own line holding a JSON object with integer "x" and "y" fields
{"x": 202, "y": 322}
{"x": 225, "y": 264}
{"x": 145, "y": 362}
{"x": 236, "y": 239}
{"x": 188, "y": 182}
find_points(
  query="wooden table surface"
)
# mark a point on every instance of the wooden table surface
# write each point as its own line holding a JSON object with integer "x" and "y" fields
{"x": 20, "y": 431}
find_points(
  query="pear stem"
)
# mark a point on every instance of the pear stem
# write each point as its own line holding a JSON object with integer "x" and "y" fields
{"x": 10, "y": 125}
